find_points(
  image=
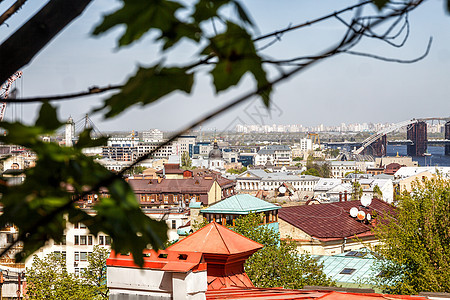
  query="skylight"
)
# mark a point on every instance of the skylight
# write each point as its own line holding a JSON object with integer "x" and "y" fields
{"x": 348, "y": 271}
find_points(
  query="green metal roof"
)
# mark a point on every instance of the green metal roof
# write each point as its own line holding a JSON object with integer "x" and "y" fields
{"x": 241, "y": 204}
{"x": 364, "y": 267}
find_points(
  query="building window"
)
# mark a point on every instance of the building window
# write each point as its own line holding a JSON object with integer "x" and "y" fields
{"x": 83, "y": 240}
{"x": 89, "y": 239}
{"x": 77, "y": 272}
{"x": 76, "y": 256}
{"x": 347, "y": 271}
{"x": 174, "y": 224}
{"x": 107, "y": 240}
{"x": 83, "y": 256}
{"x": 77, "y": 240}
{"x": 10, "y": 238}
{"x": 100, "y": 240}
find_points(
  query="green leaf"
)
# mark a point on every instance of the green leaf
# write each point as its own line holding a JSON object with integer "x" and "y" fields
{"x": 85, "y": 140}
{"x": 147, "y": 86}
{"x": 177, "y": 31}
{"x": 48, "y": 118}
{"x": 237, "y": 56}
{"x": 139, "y": 17}
{"x": 130, "y": 229}
{"x": 380, "y": 4}
{"x": 242, "y": 13}
{"x": 207, "y": 9}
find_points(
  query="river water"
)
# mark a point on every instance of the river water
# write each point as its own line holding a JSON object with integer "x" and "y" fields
{"x": 437, "y": 157}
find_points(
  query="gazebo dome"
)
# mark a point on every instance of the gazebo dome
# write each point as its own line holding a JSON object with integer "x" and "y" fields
{"x": 215, "y": 153}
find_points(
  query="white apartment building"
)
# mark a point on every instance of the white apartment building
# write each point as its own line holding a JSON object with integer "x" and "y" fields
{"x": 164, "y": 152}
{"x": 152, "y": 135}
{"x": 184, "y": 144}
{"x": 255, "y": 180}
{"x": 340, "y": 168}
{"x": 278, "y": 155}
{"x": 78, "y": 243}
{"x": 123, "y": 141}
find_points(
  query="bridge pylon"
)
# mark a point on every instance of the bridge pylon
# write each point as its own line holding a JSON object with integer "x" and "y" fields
{"x": 417, "y": 133}
{"x": 377, "y": 148}
{"x": 447, "y": 137}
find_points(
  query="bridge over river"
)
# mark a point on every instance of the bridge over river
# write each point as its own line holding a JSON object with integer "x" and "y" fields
{"x": 416, "y": 141}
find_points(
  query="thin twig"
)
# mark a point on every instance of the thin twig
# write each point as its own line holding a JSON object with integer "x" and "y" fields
{"x": 309, "y": 23}
{"x": 11, "y": 10}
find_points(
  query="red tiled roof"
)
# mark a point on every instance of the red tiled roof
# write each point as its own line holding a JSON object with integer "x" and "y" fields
{"x": 331, "y": 220}
{"x": 185, "y": 185}
{"x": 216, "y": 239}
{"x": 280, "y": 293}
{"x": 171, "y": 261}
{"x": 234, "y": 280}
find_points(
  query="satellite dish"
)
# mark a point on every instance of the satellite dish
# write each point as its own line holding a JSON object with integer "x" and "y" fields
{"x": 366, "y": 201}
{"x": 353, "y": 212}
{"x": 282, "y": 189}
{"x": 368, "y": 217}
{"x": 361, "y": 215}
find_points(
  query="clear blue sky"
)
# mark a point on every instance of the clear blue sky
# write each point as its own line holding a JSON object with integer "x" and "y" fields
{"x": 341, "y": 89}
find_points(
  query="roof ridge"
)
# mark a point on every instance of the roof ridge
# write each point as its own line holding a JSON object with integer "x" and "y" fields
{"x": 220, "y": 234}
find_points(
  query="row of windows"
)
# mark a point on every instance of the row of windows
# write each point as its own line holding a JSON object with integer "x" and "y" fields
{"x": 167, "y": 198}
{"x": 90, "y": 239}
{"x": 78, "y": 271}
{"x": 81, "y": 256}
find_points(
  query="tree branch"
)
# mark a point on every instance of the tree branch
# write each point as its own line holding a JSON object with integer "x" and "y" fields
{"x": 20, "y": 48}
{"x": 11, "y": 10}
{"x": 92, "y": 91}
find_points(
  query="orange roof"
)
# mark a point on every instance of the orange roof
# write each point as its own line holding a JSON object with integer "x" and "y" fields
{"x": 216, "y": 239}
{"x": 171, "y": 261}
{"x": 280, "y": 293}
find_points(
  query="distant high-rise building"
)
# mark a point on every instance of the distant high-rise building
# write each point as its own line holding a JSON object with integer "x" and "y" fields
{"x": 152, "y": 135}
{"x": 70, "y": 132}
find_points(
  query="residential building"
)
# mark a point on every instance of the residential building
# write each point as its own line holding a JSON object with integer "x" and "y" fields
{"x": 255, "y": 179}
{"x": 204, "y": 186}
{"x": 184, "y": 143}
{"x": 152, "y": 135}
{"x": 278, "y": 155}
{"x": 328, "y": 229}
{"x": 407, "y": 177}
{"x": 385, "y": 186}
{"x": 340, "y": 169}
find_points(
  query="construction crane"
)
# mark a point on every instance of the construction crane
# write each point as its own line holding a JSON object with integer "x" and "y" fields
{"x": 316, "y": 137}
{"x": 6, "y": 87}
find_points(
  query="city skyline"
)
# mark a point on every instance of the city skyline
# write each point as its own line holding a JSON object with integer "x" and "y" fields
{"x": 344, "y": 89}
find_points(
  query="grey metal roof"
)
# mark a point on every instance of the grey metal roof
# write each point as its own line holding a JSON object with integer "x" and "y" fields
{"x": 278, "y": 176}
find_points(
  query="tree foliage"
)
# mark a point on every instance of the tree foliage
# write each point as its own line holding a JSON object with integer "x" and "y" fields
{"x": 186, "y": 161}
{"x": 94, "y": 275}
{"x": 317, "y": 169}
{"x": 416, "y": 241}
{"x": 48, "y": 278}
{"x": 278, "y": 264}
{"x": 237, "y": 171}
